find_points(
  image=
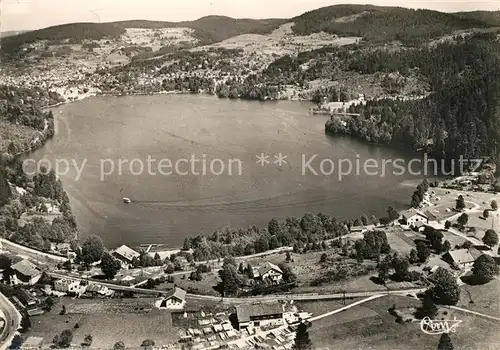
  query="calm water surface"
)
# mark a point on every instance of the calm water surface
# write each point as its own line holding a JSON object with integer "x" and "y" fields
{"x": 167, "y": 208}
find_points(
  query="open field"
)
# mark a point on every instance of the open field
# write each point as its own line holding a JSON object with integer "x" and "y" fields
{"x": 323, "y": 306}
{"x": 107, "y": 329}
{"x": 108, "y": 321}
{"x": 486, "y": 298}
{"x": 281, "y": 42}
{"x": 370, "y": 326}
{"x": 448, "y": 197}
{"x": 401, "y": 241}
{"x": 204, "y": 287}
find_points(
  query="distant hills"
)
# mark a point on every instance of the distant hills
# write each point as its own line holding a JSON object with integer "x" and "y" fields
{"x": 491, "y": 18}
{"x": 211, "y": 29}
{"x": 11, "y": 32}
{"x": 385, "y": 23}
{"x": 373, "y": 23}
{"x": 208, "y": 30}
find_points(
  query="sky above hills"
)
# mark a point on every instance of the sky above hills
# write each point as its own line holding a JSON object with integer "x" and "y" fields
{"x": 34, "y": 14}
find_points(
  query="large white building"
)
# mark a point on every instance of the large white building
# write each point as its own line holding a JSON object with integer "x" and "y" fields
{"x": 67, "y": 285}
{"x": 412, "y": 216}
{"x": 25, "y": 272}
{"x": 259, "y": 315}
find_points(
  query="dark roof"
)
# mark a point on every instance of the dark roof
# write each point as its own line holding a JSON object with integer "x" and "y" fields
{"x": 245, "y": 311}
{"x": 268, "y": 267}
{"x": 411, "y": 212}
{"x": 430, "y": 215}
{"x": 26, "y": 268}
{"x": 177, "y": 293}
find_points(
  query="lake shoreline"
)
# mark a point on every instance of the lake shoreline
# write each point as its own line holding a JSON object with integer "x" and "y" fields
{"x": 289, "y": 109}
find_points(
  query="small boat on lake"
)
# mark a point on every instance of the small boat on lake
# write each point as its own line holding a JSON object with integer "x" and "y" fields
{"x": 127, "y": 200}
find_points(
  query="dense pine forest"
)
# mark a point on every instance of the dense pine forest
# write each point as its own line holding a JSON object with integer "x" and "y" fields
{"x": 459, "y": 117}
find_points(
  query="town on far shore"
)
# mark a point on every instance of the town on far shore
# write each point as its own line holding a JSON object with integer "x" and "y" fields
{"x": 437, "y": 259}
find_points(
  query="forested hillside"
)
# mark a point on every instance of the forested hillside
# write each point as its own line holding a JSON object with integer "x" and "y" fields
{"x": 208, "y": 30}
{"x": 460, "y": 117}
{"x": 491, "y": 18}
{"x": 76, "y": 32}
{"x": 382, "y": 24}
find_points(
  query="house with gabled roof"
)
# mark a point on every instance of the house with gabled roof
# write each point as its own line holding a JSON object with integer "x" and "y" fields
{"x": 125, "y": 254}
{"x": 268, "y": 271}
{"x": 411, "y": 216}
{"x": 175, "y": 299}
{"x": 25, "y": 272}
{"x": 462, "y": 257}
{"x": 259, "y": 314}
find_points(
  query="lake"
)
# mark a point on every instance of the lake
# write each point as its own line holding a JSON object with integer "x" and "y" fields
{"x": 209, "y": 178}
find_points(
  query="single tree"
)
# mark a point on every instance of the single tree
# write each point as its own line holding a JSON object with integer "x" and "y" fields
{"x": 48, "y": 303}
{"x": 486, "y": 213}
{"x": 110, "y": 266}
{"x": 445, "y": 290}
{"x": 413, "y": 256}
{"x": 427, "y": 309}
{"x": 323, "y": 258}
{"x": 392, "y": 214}
{"x": 490, "y": 238}
{"x": 288, "y": 257}
{"x": 423, "y": 251}
{"x": 445, "y": 342}
{"x": 17, "y": 341}
{"x": 494, "y": 205}
{"x": 231, "y": 280}
{"x": 119, "y": 346}
{"x": 400, "y": 264}
{"x": 186, "y": 245}
{"x": 364, "y": 220}
{"x": 273, "y": 227}
{"x": 92, "y": 249}
{"x": 302, "y": 341}
{"x": 148, "y": 342}
{"x": 460, "y": 203}
{"x": 446, "y": 246}
{"x": 447, "y": 224}
{"x": 25, "y": 322}
{"x": 64, "y": 339}
{"x": 484, "y": 268}
{"x": 383, "y": 271}
{"x": 241, "y": 268}
{"x": 88, "y": 340}
{"x": 463, "y": 220}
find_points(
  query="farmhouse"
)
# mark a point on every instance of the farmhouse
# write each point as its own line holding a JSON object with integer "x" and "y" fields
{"x": 268, "y": 271}
{"x": 411, "y": 216}
{"x": 66, "y": 285}
{"x": 125, "y": 254}
{"x": 176, "y": 299}
{"x": 258, "y": 315}
{"x": 462, "y": 257}
{"x": 25, "y": 272}
{"x": 96, "y": 290}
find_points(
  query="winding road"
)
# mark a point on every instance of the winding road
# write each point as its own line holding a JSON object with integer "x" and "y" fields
{"x": 12, "y": 322}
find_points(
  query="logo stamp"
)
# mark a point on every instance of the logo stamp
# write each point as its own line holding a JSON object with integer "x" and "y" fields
{"x": 429, "y": 326}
